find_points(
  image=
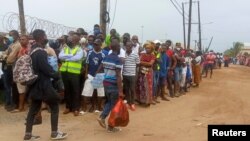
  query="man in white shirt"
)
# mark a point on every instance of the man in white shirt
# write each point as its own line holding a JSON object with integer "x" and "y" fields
{"x": 136, "y": 47}
{"x": 129, "y": 74}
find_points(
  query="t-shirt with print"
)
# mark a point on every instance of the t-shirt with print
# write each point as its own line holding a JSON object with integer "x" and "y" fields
{"x": 110, "y": 64}
{"x": 94, "y": 59}
{"x": 130, "y": 62}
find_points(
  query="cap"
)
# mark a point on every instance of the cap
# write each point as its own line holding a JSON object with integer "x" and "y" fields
{"x": 157, "y": 41}
{"x": 83, "y": 40}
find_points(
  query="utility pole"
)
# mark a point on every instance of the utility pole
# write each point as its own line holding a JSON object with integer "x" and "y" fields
{"x": 184, "y": 29}
{"x": 103, "y": 14}
{"x": 21, "y": 17}
{"x": 189, "y": 23}
{"x": 199, "y": 18}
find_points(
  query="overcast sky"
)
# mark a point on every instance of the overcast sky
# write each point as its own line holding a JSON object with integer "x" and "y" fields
{"x": 160, "y": 19}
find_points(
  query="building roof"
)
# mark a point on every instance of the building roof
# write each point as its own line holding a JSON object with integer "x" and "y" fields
{"x": 246, "y": 46}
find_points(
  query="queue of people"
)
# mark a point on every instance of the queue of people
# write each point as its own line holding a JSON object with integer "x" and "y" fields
{"x": 140, "y": 74}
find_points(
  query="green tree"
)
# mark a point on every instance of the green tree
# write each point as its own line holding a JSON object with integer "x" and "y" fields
{"x": 235, "y": 50}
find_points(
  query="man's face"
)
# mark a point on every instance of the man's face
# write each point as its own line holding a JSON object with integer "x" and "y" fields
{"x": 44, "y": 39}
{"x": 112, "y": 32}
{"x": 97, "y": 46}
{"x": 129, "y": 46}
{"x": 24, "y": 40}
{"x": 91, "y": 40}
{"x": 125, "y": 39}
{"x": 100, "y": 36}
{"x": 75, "y": 39}
{"x": 135, "y": 39}
{"x": 12, "y": 34}
{"x": 163, "y": 47}
{"x": 168, "y": 45}
{"x": 157, "y": 46}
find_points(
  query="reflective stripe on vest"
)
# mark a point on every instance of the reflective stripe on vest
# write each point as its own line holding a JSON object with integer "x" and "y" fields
{"x": 69, "y": 66}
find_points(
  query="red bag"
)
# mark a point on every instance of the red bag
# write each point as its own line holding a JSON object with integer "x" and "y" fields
{"x": 119, "y": 115}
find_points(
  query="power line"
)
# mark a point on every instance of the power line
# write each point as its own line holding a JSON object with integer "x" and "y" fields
{"x": 180, "y": 8}
{"x": 178, "y": 4}
{"x": 114, "y": 14}
{"x": 180, "y": 12}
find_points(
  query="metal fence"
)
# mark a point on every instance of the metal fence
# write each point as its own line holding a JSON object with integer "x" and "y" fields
{"x": 53, "y": 30}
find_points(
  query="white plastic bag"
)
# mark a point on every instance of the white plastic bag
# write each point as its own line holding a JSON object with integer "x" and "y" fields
{"x": 97, "y": 82}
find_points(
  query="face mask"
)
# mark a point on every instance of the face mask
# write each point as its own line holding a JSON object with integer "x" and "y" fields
{"x": 97, "y": 31}
{"x": 45, "y": 42}
{"x": 69, "y": 43}
{"x": 11, "y": 39}
{"x": 90, "y": 46}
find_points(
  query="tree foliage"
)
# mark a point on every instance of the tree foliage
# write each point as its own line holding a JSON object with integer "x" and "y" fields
{"x": 235, "y": 50}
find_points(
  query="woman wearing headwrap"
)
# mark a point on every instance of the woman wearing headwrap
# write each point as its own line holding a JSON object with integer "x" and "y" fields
{"x": 196, "y": 68}
{"x": 145, "y": 76}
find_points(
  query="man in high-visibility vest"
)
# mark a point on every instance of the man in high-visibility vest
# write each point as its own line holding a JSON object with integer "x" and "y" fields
{"x": 71, "y": 57}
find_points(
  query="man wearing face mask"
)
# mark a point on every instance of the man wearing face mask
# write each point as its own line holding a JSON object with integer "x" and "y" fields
{"x": 97, "y": 30}
{"x": 71, "y": 58}
{"x": 42, "y": 89}
{"x": 10, "y": 55}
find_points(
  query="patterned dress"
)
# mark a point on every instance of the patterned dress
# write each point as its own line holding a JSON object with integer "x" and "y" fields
{"x": 145, "y": 81}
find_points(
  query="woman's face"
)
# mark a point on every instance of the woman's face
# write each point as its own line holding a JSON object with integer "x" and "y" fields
{"x": 148, "y": 50}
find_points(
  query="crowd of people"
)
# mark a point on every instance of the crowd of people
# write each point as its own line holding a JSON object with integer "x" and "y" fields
{"x": 140, "y": 74}
{"x": 242, "y": 60}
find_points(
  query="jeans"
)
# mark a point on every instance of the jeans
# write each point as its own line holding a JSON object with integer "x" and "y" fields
{"x": 7, "y": 77}
{"x": 156, "y": 81}
{"x": 177, "y": 73}
{"x": 35, "y": 108}
{"x": 112, "y": 95}
{"x": 129, "y": 88}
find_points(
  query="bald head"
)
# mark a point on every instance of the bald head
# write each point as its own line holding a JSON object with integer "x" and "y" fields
{"x": 135, "y": 39}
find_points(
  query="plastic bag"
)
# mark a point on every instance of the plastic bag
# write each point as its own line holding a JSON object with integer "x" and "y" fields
{"x": 97, "y": 81}
{"x": 119, "y": 115}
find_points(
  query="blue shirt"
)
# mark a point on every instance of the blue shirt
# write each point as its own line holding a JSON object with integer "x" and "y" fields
{"x": 164, "y": 65}
{"x": 53, "y": 62}
{"x": 90, "y": 46}
{"x": 111, "y": 63}
{"x": 94, "y": 59}
{"x": 106, "y": 51}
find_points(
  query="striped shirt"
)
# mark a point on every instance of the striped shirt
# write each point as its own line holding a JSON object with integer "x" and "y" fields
{"x": 129, "y": 67}
{"x": 111, "y": 63}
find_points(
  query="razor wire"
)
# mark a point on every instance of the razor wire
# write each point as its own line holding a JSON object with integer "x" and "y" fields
{"x": 53, "y": 30}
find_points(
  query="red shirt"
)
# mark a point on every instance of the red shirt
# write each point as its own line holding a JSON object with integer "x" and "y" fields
{"x": 210, "y": 58}
{"x": 169, "y": 53}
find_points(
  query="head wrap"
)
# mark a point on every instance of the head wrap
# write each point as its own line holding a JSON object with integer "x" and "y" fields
{"x": 149, "y": 45}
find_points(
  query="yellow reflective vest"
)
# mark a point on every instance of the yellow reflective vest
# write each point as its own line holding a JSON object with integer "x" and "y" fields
{"x": 71, "y": 66}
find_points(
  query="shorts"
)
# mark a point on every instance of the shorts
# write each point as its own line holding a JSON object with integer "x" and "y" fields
{"x": 21, "y": 88}
{"x": 88, "y": 88}
{"x": 210, "y": 66}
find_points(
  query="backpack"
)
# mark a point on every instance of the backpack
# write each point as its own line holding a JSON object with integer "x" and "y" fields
{"x": 23, "y": 72}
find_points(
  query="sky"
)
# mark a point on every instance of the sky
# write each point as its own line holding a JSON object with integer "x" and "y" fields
{"x": 227, "y": 21}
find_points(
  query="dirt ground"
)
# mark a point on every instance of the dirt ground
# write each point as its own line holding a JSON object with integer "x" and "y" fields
{"x": 224, "y": 99}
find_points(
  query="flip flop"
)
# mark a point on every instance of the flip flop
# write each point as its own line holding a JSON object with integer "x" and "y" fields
{"x": 15, "y": 111}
